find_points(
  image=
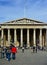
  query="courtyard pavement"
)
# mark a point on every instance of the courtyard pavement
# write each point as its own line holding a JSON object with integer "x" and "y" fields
{"x": 27, "y": 58}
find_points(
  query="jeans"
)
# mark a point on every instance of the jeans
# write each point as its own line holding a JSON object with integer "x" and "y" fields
{"x": 8, "y": 56}
{"x": 13, "y": 56}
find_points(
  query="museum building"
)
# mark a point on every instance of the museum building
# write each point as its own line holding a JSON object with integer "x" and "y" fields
{"x": 22, "y": 32}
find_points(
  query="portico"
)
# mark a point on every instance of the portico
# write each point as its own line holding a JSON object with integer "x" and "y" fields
{"x": 23, "y": 32}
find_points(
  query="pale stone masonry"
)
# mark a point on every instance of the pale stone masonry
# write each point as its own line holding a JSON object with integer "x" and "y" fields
{"x": 21, "y": 37}
{"x": 23, "y": 31}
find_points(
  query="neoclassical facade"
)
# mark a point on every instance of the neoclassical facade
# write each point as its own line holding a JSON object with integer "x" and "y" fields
{"x": 23, "y": 31}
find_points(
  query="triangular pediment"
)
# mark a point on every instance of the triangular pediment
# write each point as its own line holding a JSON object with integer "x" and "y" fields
{"x": 24, "y": 20}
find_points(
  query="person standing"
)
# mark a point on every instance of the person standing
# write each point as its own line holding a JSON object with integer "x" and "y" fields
{"x": 36, "y": 48}
{"x": 33, "y": 49}
{"x": 23, "y": 49}
{"x": 14, "y": 51}
{"x": 9, "y": 54}
{"x": 3, "y": 53}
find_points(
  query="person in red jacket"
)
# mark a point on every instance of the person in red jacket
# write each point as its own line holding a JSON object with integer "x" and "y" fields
{"x": 14, "y": 51}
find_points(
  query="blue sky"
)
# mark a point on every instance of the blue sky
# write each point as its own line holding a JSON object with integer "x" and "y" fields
{"x": 15, "y": 9}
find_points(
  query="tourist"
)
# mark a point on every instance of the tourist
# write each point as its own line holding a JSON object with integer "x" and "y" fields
{"x": 33, "y": 49}
{"x": 3, "y": 53}
{"x": 14, "y": 51}
{"x": 8, "y": 54}
{"x": 36, "y": 49}
{"x": 23, "y": 49}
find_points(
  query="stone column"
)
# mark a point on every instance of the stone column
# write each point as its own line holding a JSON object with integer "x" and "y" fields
{"x": 2, "y": 43}
{"x": 46, "y": 38}
{"x": 34, "y": 37}
{"x": 15, "y": 37}
{"x": 21, "y": 37}
{"x": 41, "y": 38}
{"x": 8, "y": 36}
{"x": 28, "y": 38}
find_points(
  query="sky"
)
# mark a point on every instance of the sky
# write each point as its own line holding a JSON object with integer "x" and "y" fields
{"x": 16, "y": 9}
